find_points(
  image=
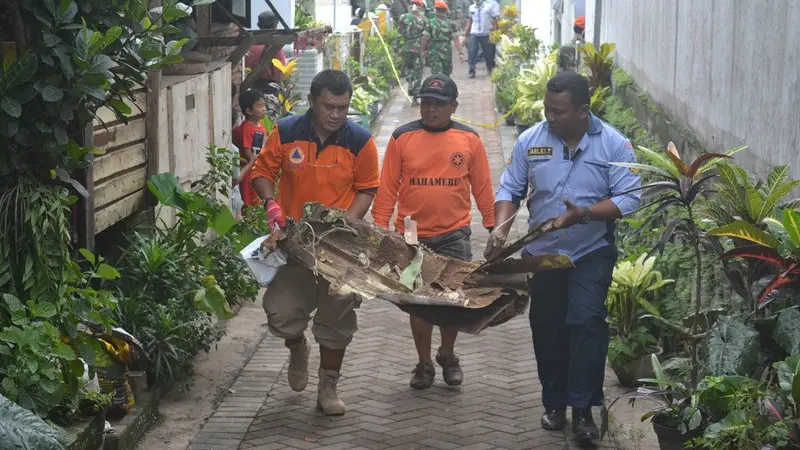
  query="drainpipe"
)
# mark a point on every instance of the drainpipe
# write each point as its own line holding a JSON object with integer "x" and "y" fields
{"x": 598, "y": 19}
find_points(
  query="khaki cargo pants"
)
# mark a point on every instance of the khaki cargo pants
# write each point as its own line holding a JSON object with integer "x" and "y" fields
{"x": 295, "y": 293}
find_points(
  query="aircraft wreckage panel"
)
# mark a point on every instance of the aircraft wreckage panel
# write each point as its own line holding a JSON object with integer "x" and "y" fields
{"x": 355, "y": 256}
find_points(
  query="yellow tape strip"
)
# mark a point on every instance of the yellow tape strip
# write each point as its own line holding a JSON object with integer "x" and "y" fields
{"x": 405, "y": 93}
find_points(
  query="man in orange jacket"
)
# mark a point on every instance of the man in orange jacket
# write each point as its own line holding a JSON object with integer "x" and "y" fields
{"x": 430, "y": 168}
{"x": 321, "y": 156}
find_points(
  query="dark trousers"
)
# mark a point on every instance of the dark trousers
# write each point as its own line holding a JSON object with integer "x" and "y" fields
{"x": 570, "y": 333}
{"x": 488, "y": 52}
{"x": 455, "y": 244}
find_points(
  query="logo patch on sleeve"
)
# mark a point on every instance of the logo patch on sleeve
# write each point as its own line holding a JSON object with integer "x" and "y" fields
{"x": 540, "y": 151}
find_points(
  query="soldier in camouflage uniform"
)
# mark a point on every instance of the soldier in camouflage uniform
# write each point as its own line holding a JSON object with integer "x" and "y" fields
{"x": 414, "y": 30}
{"x": 442, "y": 31}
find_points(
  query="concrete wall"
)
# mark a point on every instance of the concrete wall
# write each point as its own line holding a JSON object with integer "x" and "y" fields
{"x": 536, "y": 14}
{"x": 725, "y": 69}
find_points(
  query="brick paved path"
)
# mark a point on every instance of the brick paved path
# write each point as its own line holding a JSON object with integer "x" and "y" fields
{"x": 497, "y": 407}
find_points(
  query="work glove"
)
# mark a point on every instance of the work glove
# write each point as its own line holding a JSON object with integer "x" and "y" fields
{"x": 495, "y": 243}
{"x": 275, "y": 217}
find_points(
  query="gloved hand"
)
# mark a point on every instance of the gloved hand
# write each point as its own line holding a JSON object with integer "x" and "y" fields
{"x": 275, "y": 217}
{"x": 495, "y": 243}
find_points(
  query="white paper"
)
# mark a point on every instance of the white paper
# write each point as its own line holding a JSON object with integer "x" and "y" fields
{"x": 263, "y": 265}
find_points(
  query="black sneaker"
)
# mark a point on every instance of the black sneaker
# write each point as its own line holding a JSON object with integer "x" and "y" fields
{"x": 472, "y": 74}
{"x": 451, "y": 370}
{"x": 583, "y": 425}
{"x": 554, "y": 419}
{"x": 423, "y": 376}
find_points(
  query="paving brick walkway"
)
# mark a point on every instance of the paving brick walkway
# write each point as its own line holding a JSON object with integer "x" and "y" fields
{"x": 497, "y": 407}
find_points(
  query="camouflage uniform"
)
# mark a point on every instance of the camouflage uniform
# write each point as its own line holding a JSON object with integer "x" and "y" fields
{"x": 440, "y": 55}
{"x": 413, "y": 28}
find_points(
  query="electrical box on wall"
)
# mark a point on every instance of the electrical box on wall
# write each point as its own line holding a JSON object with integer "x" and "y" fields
{"x": 240, "y": 9}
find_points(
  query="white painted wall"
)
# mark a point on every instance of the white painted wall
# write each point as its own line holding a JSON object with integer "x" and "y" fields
{"x": 335, "y": 13}
{"x": 725, "y": 69}
{"x": 536, "y": 14}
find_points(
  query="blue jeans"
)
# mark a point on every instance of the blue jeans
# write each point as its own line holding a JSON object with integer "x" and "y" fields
{"x": 488, "y": 52}
{"x": 570, "y": 333}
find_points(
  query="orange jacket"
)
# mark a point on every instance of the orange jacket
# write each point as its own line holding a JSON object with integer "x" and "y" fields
{"x": 331, "y": 173}
{"x": 430, "y": 174}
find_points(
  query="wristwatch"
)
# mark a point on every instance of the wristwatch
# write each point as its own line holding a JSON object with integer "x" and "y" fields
{"x": 586, "y": 215}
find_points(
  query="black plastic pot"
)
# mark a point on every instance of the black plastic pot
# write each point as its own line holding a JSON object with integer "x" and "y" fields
{"x": 670, "y": 437}
{"x": 629, "y": 374}
{"x": 511, "y": 120}
{"x": 521, "y": 128}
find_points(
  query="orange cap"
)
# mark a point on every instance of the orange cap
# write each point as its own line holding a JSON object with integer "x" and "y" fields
{"x": 580, "y": 22}
{"x": 419, "y": 2}
{"x": 440, "y": 4}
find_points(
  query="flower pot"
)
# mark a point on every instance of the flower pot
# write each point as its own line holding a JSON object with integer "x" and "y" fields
{"x": 521, "y": 128}
{"x": 629, "y": 373}
{"x": 511, "y": 120}
{"x": 670, "y": 437}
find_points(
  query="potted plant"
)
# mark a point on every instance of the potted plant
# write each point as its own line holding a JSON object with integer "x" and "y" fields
{"x": 531, "y": 87}
{"x": 676, "y": 183}
{"x": 632, "y": 344}
{"x": 677, "y": 419}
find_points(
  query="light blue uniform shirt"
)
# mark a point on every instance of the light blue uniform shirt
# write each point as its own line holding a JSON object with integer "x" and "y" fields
{"x": 482, "y": 16}
{"x": 542, "y": 162}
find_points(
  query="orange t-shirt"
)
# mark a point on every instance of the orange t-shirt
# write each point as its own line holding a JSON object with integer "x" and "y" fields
{"x": 246, "y": 136}
{"x": 332, "y": 172}
{"x": 429, "y": 173}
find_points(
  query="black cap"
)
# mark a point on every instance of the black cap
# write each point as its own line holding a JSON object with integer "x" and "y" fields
{"x": 267, "y": 19}
{"x": 440, "y": 87}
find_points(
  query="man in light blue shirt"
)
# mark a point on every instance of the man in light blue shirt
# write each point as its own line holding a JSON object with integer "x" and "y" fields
{"x": 565, "y": 163}
{"x": 483, "y": 17}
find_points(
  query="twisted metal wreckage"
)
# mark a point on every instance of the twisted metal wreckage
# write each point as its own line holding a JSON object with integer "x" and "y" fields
{"x": 356, "y": 256}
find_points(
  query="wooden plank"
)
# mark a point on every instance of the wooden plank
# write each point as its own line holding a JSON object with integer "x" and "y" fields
{"x": 153, "y": 123}
{"x": 115, "y": 212}
{"x": 220, "y": 105}
{"x": 120, "y": 135}
{"x": 190, "y": 127}
{"x": 279, "y": 38}
{"x": 119, "y": 160}
{"x": 120, "y": 186}
{"x": 107, "y": 116}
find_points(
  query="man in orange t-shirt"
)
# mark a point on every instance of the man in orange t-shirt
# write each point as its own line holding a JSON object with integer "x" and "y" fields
{"x": 430, "y": 168}
{"x": 321, "y": 156}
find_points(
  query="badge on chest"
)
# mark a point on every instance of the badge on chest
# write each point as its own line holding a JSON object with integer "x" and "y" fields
{"x": 540, "y": 152}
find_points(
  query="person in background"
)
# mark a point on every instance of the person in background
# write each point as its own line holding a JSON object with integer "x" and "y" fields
{"x": 569, "y": 57}
{"x": 414, "y": 30}
{"x": 430, "y": 169}
{"x": 398, "y": 9}
{"x": 266, "y": 21}
{"x": 579, "y": 27}
{"x": 321, "y": 156}
{"x": 566, "y": 163}
{"x": 443, "y": 32}
{"x": 358, "y": 17}
{"x": 249, "y": 137}
{"x": 483, "y": 17}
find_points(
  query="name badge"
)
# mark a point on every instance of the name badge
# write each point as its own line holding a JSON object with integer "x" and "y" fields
{"x": 540, "y": 151}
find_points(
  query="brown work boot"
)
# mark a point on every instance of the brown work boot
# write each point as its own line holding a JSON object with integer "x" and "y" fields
{"x": 423, "y": 376}
{"x": 327, "y": 398}
{"x": 298, "y": 365}
{"x": 451, "y": 370}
